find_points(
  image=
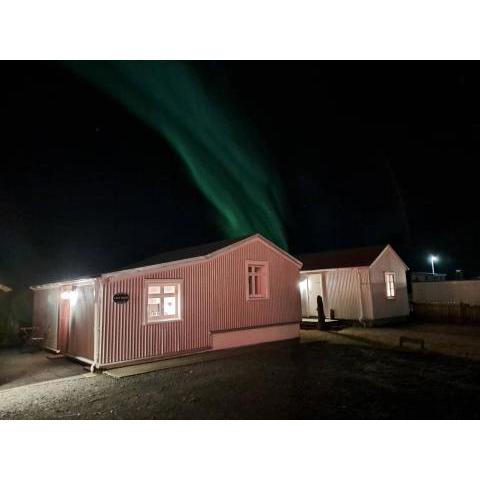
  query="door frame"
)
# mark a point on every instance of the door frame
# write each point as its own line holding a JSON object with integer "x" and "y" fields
{"x": 64, "y": 320}
{"x": 311, "y": 297}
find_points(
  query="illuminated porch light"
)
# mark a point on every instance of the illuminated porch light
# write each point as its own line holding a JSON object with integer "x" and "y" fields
{"x": 69, "y": 295}
{"x": 303, "y": 285}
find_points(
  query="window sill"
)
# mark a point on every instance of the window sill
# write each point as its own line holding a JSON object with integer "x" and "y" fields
{"x": 169, "y": 320}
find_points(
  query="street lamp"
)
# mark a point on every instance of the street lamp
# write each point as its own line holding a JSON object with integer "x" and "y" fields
{"x": 433, "y": 259}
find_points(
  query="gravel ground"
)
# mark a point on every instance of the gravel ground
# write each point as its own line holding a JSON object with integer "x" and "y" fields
{"x": 18, "y": 367}
{"x": 453, "y": 340}
{"x": 315, "y": 380}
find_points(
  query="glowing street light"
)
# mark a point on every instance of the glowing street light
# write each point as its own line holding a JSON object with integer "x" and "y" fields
{"x": 433, "y": 259}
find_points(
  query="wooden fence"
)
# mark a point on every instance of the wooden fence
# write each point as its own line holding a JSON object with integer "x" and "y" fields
{"x": 456, "y": 313}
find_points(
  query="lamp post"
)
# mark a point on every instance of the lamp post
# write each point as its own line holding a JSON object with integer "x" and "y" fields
{"x": 433, "y": 259}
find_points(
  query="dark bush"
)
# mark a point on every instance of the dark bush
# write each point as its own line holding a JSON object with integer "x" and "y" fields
{"x": 15, "y": 312}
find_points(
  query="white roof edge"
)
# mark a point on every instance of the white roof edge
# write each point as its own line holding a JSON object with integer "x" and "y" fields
{"x": 388, "y": 246}
{"x": 215, "y": 253}
{"x": 257, "y": 236}
{"x": 337, "y": 268}
{"x": 184, "y": 261}
{"x": 293, "y": 259}
{"x": 155, "y": 266}
{"x": 79, "y": 281}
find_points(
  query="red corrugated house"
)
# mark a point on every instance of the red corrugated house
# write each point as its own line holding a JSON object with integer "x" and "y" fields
{"x": 214, "y": 296}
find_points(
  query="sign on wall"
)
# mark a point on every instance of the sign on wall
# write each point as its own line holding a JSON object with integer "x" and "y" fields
{"x": 121, "y": 297}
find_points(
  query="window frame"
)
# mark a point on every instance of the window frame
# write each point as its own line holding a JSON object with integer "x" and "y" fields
{"x": 393, "y": 282}
{"x": 266, "y": 278}
{"x": 180, "y": 295}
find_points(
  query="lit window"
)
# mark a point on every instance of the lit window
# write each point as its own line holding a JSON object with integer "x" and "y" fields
{"x": 257, "y": 280}
{"x": 390, "y": 284}
{"x": 163, "y": 300}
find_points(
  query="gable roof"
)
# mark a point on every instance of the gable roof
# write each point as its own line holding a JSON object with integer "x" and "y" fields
{"x": 186, "y": 253}
{"x": 351, "y": 257}
{"x": 202, "y": 252}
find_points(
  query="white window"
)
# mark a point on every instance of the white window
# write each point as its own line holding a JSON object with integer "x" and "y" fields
{"x": 163, "y": 300}
{"x": 257, "y": 280}
{"x": 390, "y": 284}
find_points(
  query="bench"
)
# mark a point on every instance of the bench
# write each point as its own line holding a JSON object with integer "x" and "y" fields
{"x": 415, "y": 341}
{"x": 30, "y": 338}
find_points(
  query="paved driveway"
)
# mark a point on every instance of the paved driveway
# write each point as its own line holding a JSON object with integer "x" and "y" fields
{"x": 19, "y": 368}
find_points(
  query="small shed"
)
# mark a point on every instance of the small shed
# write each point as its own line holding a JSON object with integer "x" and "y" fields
{"x": 214, "y": 296}
{"x": 365, "y": 284}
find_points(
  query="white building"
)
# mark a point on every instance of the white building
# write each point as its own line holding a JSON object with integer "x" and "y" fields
{"x": 366, "y": 284}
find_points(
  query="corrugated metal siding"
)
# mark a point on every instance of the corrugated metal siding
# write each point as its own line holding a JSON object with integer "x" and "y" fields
{"x": 343, "y": 293}
{"x": 315, "y": 288}
{"x": 45, "y": 315}
{"x": 80, "y": 338}
{"x": 465, "y": 291}
{"x": 214, "y": 298}
{"x": 367, "y": 302}
{"x": 231, "y": 310}
{"x": 340, "y": 291}
{"x": 383, "y": 307}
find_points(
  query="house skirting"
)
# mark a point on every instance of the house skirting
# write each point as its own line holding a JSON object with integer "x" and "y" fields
{"x": 252, "y": 336}
{"x": 138, "y": 361}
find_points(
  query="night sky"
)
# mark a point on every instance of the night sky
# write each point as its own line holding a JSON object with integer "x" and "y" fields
{"x": 362, "y": 153}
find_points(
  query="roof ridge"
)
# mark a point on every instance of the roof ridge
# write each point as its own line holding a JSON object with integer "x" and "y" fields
{"x": 208, "y": 247}
{"x": 334, "y": 250}
{"x": 342, "y": 258}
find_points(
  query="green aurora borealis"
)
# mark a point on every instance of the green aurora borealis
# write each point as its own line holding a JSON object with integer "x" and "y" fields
{"x": 211, "y": 141}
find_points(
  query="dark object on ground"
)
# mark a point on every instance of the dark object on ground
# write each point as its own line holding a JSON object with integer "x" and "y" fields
{"x": 55, "y": 356}
{"x": 329, "y": 325}
{"x": 308, "y": 325}
{"x": 415, "y": 341}
{"x": 321, "y": 314}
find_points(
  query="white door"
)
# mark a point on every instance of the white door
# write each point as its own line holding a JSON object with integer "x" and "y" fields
{"x": 314, "y": 289}
{"x": 304, "y": 295}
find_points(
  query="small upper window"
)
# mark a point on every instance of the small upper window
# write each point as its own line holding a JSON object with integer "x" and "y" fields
{"x": 257, "y": 280}
{"x": 163, "y": 298}
{"x": 390, "y": 284}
